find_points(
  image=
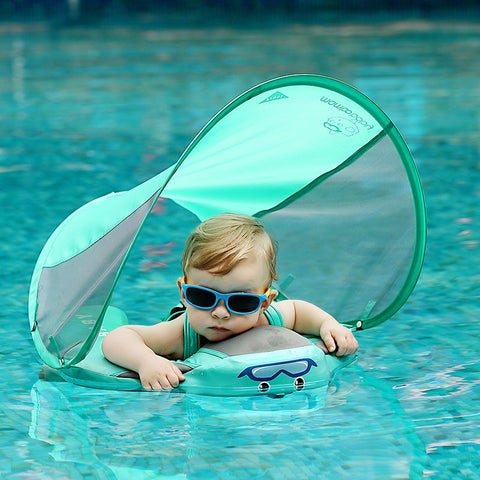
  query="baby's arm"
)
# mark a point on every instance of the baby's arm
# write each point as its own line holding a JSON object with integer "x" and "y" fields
{"x": 304, "y": 317}
{"x": 139, "y": 348}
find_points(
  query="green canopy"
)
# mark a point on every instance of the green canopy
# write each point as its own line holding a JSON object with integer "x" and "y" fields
{"x": 320, "y": 163}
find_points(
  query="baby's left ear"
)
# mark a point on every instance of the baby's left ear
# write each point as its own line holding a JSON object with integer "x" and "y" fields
{"x": 271, "y": 296}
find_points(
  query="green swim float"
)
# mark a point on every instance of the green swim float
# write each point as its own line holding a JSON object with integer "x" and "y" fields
{"x": 322, "y": 166}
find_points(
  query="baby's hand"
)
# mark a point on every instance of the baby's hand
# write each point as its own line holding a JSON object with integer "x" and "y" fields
{"x": 339, "y": 338}
{"x": 158, "y": 373}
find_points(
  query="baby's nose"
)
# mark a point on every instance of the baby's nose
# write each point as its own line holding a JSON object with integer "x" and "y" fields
{"x": 220, "y": 311}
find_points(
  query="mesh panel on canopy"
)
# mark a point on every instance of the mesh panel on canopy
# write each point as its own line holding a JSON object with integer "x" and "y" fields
{"x": 361, "y": 224}
{"x": 322, "y": 166}
{"x": 74, "y": 292}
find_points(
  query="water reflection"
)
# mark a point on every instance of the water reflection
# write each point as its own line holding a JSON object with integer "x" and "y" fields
{"x": 453, "y": 381}
{"x": 189, "y": 436}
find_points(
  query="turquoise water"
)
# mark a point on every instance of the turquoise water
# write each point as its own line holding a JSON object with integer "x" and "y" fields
{"x": 88, "y": 110}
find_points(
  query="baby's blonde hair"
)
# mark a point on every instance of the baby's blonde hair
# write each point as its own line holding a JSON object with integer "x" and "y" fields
{"x": 219, "y": 243}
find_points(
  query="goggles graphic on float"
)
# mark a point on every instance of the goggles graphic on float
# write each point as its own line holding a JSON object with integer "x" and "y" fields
{"x": 239, "y": 303}
{"x": 270, "y": 371}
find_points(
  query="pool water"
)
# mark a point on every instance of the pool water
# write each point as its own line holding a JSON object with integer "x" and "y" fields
{"x": 89, "y": 110}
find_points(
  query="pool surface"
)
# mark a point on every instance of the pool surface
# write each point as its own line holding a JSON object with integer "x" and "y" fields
{"x": 87, "y": 110}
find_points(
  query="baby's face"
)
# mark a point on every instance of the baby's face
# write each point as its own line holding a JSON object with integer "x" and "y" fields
{"x": 248, "y": 276}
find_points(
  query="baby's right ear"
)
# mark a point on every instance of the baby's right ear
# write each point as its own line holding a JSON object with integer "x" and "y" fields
{"x": 180, "y": 280}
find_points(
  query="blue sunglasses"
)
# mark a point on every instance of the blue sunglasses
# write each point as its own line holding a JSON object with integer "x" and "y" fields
{"x": 240, "y": 303}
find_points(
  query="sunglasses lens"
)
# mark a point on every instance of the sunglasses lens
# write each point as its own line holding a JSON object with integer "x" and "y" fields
{"x": 200, "y": 298}
{"x": 243, "y": 303}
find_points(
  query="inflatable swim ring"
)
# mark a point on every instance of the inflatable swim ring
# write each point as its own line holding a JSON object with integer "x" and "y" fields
{"x": 264, "y": 360}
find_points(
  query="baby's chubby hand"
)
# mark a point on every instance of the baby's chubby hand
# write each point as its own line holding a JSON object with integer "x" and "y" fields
{"x": 339, "y": 338}
{"x": 158, "y": 373}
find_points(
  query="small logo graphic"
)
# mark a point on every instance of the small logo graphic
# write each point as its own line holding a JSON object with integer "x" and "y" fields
{"x": 275, "y": 96}
{"x": 269, "y": 371}
{"x": 353, "y": 116}
{"x": 341, "y": 125}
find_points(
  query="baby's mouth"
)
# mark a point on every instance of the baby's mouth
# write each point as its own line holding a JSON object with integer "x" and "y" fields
{"x": 219, "y": 329}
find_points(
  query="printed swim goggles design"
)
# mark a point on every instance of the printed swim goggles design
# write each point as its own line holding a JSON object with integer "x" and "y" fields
{"x": 270, "y": 371}
{"x": 239, "y": 303}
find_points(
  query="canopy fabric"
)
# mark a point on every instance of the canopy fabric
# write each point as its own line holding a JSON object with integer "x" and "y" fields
{"x": 315, "y": 159}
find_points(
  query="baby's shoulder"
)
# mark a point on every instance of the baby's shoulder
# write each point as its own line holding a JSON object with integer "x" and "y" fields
{"x": 167, "y": 337}
{"x": 172, "y": 324}
{"x": 287, "y": 311}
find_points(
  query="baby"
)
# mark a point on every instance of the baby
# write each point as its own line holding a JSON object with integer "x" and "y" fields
{"x": 228, "y": 269}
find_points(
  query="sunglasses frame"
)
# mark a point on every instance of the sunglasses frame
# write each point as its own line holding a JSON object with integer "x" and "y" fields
{"x": 225, "y": 297}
